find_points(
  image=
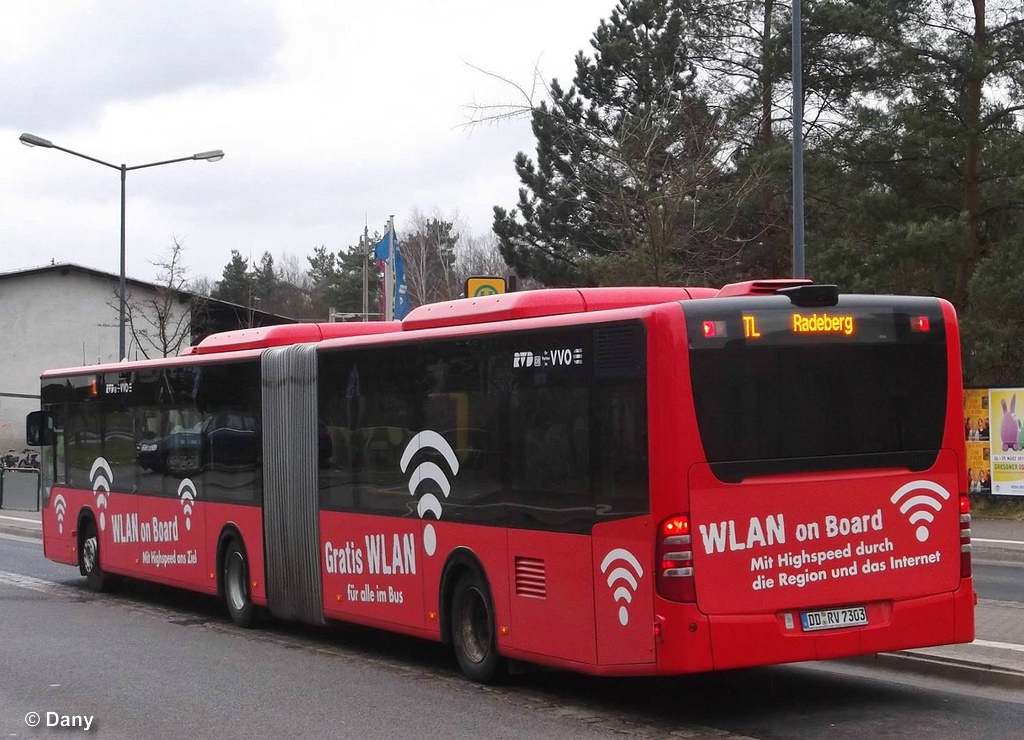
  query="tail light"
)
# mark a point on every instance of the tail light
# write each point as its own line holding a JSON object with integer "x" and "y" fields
{"x": 675, "y": 559}
{"x": 965, "y": 536}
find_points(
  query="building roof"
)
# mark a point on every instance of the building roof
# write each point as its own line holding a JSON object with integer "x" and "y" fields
{"x": 64, "y": 268}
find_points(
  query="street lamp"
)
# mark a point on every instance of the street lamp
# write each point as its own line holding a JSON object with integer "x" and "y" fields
{"x": 212, "y": 156}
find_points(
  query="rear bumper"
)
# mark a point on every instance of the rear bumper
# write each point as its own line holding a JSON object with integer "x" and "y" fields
{"x": 692, "y": 641}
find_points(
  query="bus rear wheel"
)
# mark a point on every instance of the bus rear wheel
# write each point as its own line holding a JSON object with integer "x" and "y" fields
{"x": 473, "y": 634}
{"x": 89, "y": 559}
{"x": 236, "y": 585}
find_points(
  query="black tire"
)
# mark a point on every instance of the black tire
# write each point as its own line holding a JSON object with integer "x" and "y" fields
{"x": 473, "y": 633}
{"x": 235, "y": 581}
{"x": 89, "y": 559}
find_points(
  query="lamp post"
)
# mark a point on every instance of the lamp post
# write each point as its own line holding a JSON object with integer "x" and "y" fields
{"x": 211, "y": 156}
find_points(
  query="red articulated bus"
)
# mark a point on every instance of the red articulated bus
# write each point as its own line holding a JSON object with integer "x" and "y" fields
{"x": 616, "y": 481}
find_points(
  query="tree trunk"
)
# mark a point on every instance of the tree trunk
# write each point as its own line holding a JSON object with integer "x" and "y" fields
{"x": 971, "y": 248}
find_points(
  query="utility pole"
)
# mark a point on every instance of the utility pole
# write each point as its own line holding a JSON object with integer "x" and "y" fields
{"x": 798, "y": 144}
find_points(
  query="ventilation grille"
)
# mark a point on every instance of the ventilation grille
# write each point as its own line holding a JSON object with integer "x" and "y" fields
{"x": 531, "y": 578}
{"x": 619, "y": 351}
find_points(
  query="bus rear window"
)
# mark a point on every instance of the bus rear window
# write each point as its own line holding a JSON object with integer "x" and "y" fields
{"x": 783, "y": 390}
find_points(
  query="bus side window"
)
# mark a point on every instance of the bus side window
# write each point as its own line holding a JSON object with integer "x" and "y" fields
{"x": 621, "y": 461}
{"x": 60, "y": 473}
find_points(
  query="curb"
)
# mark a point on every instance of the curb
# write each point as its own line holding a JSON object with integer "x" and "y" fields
{"x": 977, "y": 672}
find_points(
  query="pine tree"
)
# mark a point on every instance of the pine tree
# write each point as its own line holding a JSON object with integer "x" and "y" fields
{"x": 628, "y": 183}
{"x": 236, "y": 282}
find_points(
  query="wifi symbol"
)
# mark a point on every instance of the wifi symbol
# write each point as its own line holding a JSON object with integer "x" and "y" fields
{"x": 101, "y": 477}
{"x": 431, "y": 471}
{"x": 627, "y": 577}
{"x": 187, "y": 494}
{"x": 60, "y": 505}
{"x": 921, "y": 500}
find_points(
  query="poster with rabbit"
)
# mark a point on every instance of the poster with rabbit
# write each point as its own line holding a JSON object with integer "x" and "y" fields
{"x": 1006, "y": 407}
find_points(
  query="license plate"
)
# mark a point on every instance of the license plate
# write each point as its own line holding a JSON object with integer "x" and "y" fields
{"x": 833, "y": 619}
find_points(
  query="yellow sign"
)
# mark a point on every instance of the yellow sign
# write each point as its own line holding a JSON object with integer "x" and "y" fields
{"x": 481, "y": 286}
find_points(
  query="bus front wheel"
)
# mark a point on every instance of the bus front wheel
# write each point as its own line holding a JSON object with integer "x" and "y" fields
{"x": 473, "y": 634}
{"x": 89, "y": 559}
{"x": 236, "y": 585}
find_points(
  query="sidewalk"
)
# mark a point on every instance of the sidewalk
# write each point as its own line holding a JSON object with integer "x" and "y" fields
{"x": 995, "y": 658}
{"x": 24, "y": 523}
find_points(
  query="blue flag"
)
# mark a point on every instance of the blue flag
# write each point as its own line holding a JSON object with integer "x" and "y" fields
{"x": 382, "y": 248}
{"x": 401, "y": 289}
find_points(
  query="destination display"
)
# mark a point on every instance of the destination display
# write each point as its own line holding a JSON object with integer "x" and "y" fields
{"x": 794, "y": 325}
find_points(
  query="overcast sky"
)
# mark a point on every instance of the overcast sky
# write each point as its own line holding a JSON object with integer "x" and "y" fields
{"x": 331, "y": 114}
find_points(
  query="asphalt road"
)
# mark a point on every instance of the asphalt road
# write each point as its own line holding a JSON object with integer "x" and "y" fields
{"x": 999, "y": 581}
{"x": 160, "y": 663}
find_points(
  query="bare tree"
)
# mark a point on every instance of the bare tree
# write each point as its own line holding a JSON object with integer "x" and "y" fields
{"x": 292, "y": 269}
{"x": 428, "y": 247}
{"x": 160, "y": 324}
{"x": 201, "y": 286}
{"x": 477, "y": 255}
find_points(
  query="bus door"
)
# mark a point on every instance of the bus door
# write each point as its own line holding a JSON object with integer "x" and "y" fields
{"x": 171, "y": 517}
{"x": 623, "y": 592}
{"x": 551, "y": 509}
{"x": 168, "y": 432}
{"x": 172, "y": 529}
{"x": 101, "y": 468}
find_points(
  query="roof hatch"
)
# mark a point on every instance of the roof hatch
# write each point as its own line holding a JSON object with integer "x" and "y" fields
{"x": 285, "y": 334}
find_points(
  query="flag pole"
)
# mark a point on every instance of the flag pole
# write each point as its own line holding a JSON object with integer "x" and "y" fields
{"x": 364, "y": 249}
{"x": 389, "y": 273}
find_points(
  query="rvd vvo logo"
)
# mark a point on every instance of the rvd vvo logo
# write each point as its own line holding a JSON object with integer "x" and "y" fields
{"x": 548, "y": 358}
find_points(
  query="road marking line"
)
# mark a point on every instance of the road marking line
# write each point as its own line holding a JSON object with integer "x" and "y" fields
{"x": 1000, "y": 645}
{"x": 32, "y": 584}
{"x": 36, "y": 541}
{"x": 997, "y": 542}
